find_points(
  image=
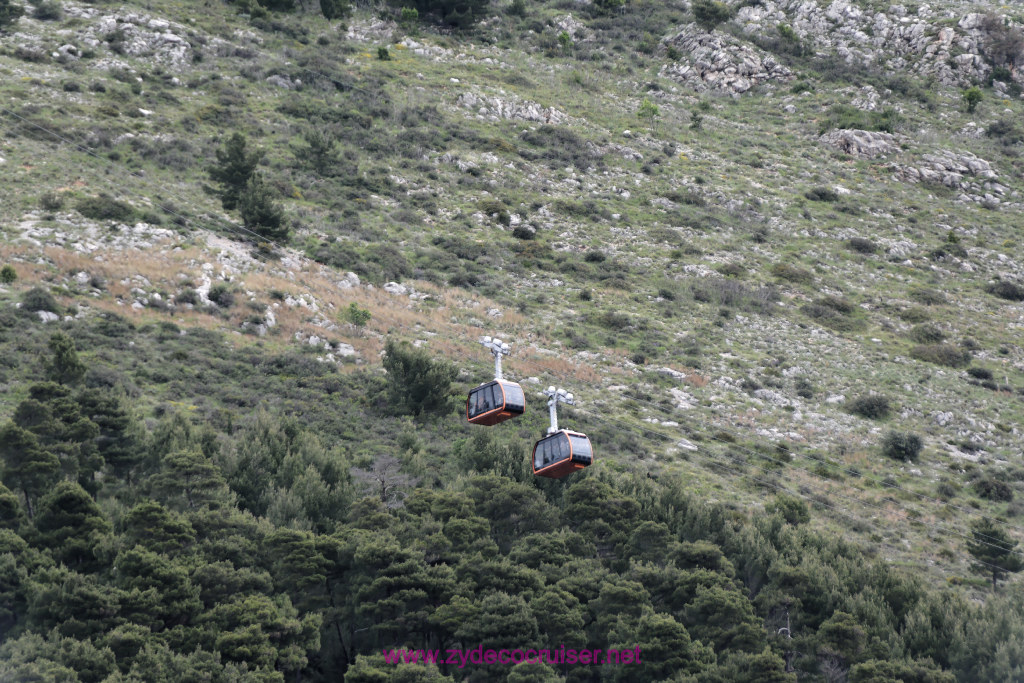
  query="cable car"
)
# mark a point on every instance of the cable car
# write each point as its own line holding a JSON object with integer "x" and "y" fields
{"x": 562, "y": 453}
{"x": 495, "y": 402}
{"x": 499, "y": 399}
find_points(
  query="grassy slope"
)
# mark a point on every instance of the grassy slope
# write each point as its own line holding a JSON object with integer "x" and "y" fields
{"x": 728, "y": 197}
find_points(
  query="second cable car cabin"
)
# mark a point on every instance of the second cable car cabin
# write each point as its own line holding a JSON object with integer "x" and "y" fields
{"x": 562, "y": 453}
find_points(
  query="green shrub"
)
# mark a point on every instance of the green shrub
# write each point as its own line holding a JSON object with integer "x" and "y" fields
{"x": 846, "y": 116}
{"x": 941, "y": 354}
{"x": 614, "y": 320}
{"x": 730, "y": 292}
{"x": 980, "y": 373}
{"x": 222, "y": 295}
{"x": 871, "y": 406}
{"x": 947, "y": 489}
{"x": 862, "y": 245}
{"x": 357, "y": 316}
{"x": 47, "y": 10}
{"x": 1006, "y": 131}
{"x": 524, "y": 232}
{"x": 972, "y": 98}
{"x": 105, "y": 208}
{"x": 9, "y": 13}
{"x": 915, "y": 314}
{"x": 408, "y": 17}
{"x": 335, "y": 9}
{"x": 560, "y": 147}
{"x": 383, "y": 54}
{"x": 731, "y": 270}
{"x": 993, "y": 488}
{"x": 495, "y": 209}
{"x": 8, "y": 275}
{"x": 710, "y": 13}
{"x": 926, "y": 334}
{"x": 416, "y": 383}
{"x": 793, "y": 510}
{"x": 609, "y": 6}
{"x": 688, "y": 197}
{"x": 927, "y": 296}
{"x": 188, "y": 296}
{"x": 833, "y": 312}
{"x": 1006, "y": 290}
{"x": 821, "y": 194}
{"x": 904, "y": 446}
{"x": 51, "y": 201}
{"x": 38, "y": 299}
{"x": 804, "y": 388}
{"x": 791, "y": 273}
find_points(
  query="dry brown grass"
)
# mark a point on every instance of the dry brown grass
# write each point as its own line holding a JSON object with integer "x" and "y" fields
{"x": 448, "y": 321}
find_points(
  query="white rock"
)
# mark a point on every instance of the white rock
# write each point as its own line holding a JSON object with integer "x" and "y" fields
{"x": 47, "y": 316}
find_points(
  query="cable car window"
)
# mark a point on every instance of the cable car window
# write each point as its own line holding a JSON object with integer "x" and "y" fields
{"x": 514, "y": 396}
{"x": 563, "y": 447}
{"x": 497, "y": 398}
{"x": 581, "y": 448}
{"x": 477, "y": 399}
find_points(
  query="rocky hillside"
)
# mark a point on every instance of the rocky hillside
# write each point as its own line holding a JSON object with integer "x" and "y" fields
{"x": 762, "y": 248}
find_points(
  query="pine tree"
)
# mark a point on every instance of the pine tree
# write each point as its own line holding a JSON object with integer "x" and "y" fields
{"x": 260, "y": 213}
{"x": 416, "y": 383}
{"x": 320, "y": 151}
{"x": 994, "y": 551}
{"x": 117, "y": 442}
{"x": 26, "y": 465}
{"x": 64, "y": 367}
{"x": 70, "y": 523}
{"x": 11, "y": 516}
{"x": 234, "y": 167}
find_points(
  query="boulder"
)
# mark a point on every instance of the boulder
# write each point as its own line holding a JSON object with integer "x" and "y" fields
{"x": 861, "y": 143}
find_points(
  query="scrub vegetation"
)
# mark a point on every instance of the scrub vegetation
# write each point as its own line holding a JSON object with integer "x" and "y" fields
{"x": 246, "y": 251}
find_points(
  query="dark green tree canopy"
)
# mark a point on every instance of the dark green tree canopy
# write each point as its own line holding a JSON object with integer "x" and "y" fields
{"x": 64, "y": 367}
{"x": 456, "y": 13}
{"x": 26, "y": 465}
{"x": 994, "y": 552}
{"x": 71, "y": 524}
{"x": 260, "y": 213}
{"x": 416, "y": 383}
{"x": 9, "y": 14}
{"x": 235, "y": 166}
